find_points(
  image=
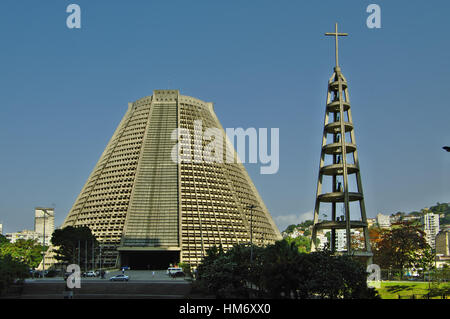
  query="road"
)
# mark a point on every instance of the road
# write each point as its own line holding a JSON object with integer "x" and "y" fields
{"x": 146, "y": 284}
{"x": 141, "y": 276}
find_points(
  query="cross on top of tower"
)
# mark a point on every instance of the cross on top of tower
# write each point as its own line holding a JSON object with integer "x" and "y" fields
{"x": 336, "y": 34}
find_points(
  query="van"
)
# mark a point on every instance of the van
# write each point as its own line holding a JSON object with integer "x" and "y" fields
{"x": 174, "y": 271}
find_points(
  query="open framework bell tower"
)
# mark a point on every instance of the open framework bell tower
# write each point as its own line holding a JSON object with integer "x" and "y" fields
{"x": 339, "y": 164}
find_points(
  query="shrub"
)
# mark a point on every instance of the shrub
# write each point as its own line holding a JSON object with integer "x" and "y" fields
{"x": 281, "y": 271}
{"x": 10, "y": 271}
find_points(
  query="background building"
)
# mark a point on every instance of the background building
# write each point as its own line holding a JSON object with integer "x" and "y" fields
{"x": 371, "y": 222}
{"x": 323, "y": 240}
{"x": 341, "y": 240}
{"x": 44, "y": 222}
{"x": 1, "y": 229}
{"x": 24, "y": 234}
{"x": 383, "y": 221}
{"x": 443, "y": 243}
{"x": 430, "y": 223}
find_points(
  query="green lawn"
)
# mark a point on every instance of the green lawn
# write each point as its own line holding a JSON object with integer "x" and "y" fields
{"x": 392, "y": 289}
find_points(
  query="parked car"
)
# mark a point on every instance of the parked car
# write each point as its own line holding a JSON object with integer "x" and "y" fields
{"x": 90, "y": 274}
{"x": 120, "y": 278}
{"x": 175, "y": 272}
{"x": 126, "y": 268}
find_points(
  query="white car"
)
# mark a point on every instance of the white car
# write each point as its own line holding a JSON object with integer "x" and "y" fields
{"x": 90, "y": 274}
{"x": 175, "y": 271}
{"x": 120, "y": 278}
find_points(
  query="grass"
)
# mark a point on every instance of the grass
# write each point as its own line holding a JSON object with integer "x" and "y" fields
{"x": 394, "y": 289}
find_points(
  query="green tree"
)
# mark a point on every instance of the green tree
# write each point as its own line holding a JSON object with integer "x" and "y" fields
{"x": 11, "y": 269}
{"x": 3, "y": 240}
{"x": 70, "y": 242}
{"x": 28, "y": 251}
{"x": 303, "y": 243}
{"x": 338, "y": 277}
{"x": 402, "y": 248}
{"x": 290, "y": 229}
{"x": 228, "y": 274}
{"x": 302, "y": 226}
{"x": 285, "y": 271}
{"x": 281, "y": 271}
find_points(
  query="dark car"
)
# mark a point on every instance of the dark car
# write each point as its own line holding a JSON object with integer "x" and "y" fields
{"x": 178, "y": 274}
{"x": 119, "y": 278}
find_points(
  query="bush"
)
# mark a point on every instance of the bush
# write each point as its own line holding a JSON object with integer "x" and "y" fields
{"x": 281, "y": 271}
{"x": 10, "y": 271}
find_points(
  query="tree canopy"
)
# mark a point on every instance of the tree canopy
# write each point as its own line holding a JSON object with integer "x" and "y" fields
{"x": 302, "y": 226}
{"x": 402, "y": 248}
{"x": 281, "y": 271}
{"x": 27, "y": 251}
{"x": 11, "y": 269}
{"x": 303, "y": 243}
{"x": 15, "y": 259}
{"x": 70, "y": 242}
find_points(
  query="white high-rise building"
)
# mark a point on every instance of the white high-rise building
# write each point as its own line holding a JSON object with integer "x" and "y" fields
{"x": 44, "y": 223}
{"x": 430, "y": 223}
{"x": 341, "y": 240}
{"x": 383, "y": 221}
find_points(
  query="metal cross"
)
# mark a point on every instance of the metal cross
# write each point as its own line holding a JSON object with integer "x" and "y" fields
{"x": 336, "y": 34}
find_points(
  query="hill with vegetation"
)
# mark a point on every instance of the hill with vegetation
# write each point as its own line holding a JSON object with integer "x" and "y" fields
{"x": 443, "y": 209}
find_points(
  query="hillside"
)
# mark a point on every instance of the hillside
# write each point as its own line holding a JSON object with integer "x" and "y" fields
{"x": 443, "y": 209}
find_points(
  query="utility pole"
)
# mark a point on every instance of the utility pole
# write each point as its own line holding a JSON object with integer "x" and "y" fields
{"x": 93, "y": 256}
{"x": 100, "y": 260}
{"x": 251, "y": 207}
{"x": 43, "y": 249}
{"x": 43, "y": 245}
{"x": 85, "y": 255}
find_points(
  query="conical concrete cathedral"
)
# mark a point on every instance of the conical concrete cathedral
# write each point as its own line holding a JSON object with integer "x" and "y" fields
{"x": 148, "y": 210}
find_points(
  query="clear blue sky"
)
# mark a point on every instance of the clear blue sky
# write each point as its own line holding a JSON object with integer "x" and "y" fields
{"x": 263, "y": 63}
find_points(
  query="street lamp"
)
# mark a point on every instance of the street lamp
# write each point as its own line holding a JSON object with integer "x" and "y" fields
{"x": 251, "y": 207}
{"x": 43, "y": 244}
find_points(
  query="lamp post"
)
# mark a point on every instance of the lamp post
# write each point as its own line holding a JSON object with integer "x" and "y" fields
{"x": 43, "y": 244}
{"x": 251, "y": 207}
{"x": 101, "y": 261}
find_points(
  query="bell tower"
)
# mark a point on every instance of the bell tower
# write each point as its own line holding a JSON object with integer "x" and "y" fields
{"x": 339, "y": 164}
